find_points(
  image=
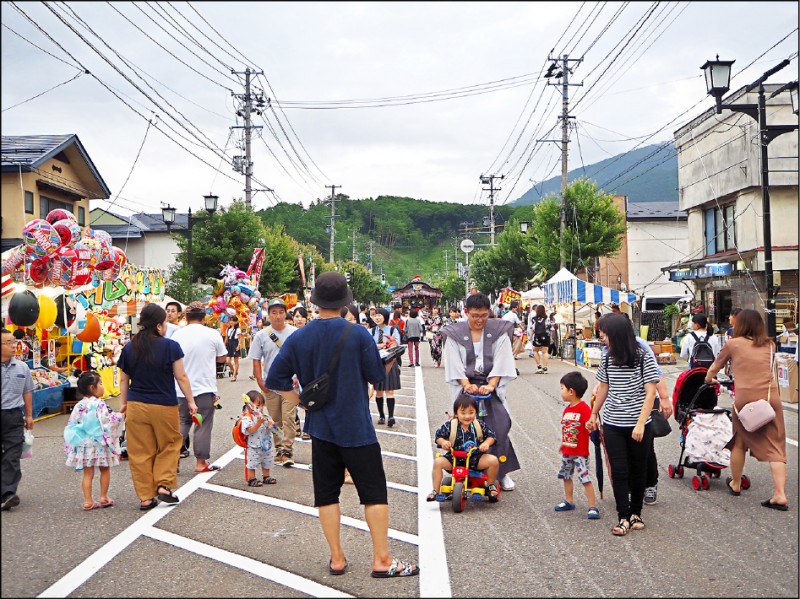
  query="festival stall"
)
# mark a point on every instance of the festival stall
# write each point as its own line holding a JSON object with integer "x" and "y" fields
{"x": 70, "y": 292}
{"x": 417, "y": 294}
{"x": 576, "y": 300}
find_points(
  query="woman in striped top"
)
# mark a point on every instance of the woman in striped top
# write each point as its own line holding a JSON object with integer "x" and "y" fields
{"x": 626, "y": 393}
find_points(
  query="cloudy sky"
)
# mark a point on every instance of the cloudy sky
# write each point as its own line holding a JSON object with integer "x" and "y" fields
{"x": 351, "y": 86}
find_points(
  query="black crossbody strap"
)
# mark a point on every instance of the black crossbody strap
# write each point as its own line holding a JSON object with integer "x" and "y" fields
{"x": 339, "y": 348}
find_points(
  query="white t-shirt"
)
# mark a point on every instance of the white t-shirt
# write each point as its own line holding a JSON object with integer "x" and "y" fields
{"x": 512, "y": 317}
{"x": 171, "y": 330}
{"x": 201, "y": 347}
{"x": 264, "y": 349}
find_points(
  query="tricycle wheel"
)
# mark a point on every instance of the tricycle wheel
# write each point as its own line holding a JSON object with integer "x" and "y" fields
{"x": 671, "y": 471}
{"x": 679, "y": 472}
{"x": 459, "y": 501}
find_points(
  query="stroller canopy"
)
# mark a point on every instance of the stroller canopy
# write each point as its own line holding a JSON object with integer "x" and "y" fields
{"x": 686, "y": 388}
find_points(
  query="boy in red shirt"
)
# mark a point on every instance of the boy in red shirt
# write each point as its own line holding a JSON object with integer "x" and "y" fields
{"x": 575, "y": 443}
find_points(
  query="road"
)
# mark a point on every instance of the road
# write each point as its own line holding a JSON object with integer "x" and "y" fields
{"x": 226, "y": 539}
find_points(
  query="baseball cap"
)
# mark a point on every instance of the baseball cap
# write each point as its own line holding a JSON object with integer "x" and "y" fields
{"x": 276, "y": 301}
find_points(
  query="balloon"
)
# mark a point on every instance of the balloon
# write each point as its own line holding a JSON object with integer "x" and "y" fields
{"x": 15, "y": 258}
{"x": 47, "y": 312}
{"x": 109, "y": 274}
{"x": 236, "y": 289}
{"x": 219, "y": 286}
{"x": 38, "y": 271}
{"x": 63, "y": 316}
{"x": 64, "y": 263}
{"x": 224, "y": 318}
{"x": 79, "y": 319}
{"x": 120, "y": 259}
{"x": 244, "y": 297}
{"x": 58, "y": 214}
{"x": 235, "y": 302}
{"x": 68, "y": 230}
{"x": 253, "y": 303}
{"x": 231, "y": 311}
{"x": 209, "y": 311}
{"x": 91, "y": 332}
{"x": 23, "y": 309}
{"x": 40, "y": 238}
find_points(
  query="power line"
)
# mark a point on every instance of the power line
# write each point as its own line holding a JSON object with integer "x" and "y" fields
{"x": 45, "y": 91}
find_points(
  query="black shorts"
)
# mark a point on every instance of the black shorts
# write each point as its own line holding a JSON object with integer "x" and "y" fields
{"x": 233, "y": 349}
{"x": 541, "y": 340}
{"x": 364, "y": 463}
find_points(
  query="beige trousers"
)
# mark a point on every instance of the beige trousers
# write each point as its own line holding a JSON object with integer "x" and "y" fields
{"x": 153, "y": 434}
{"x": 283, "y": 413}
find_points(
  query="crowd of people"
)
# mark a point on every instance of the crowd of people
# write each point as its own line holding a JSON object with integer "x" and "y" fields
{"x": 169, "y": 391}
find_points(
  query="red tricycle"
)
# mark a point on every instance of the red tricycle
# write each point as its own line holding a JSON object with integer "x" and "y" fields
{"x": 464, "y": 482}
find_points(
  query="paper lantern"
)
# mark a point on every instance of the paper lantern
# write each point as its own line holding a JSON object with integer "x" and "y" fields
{"x": 23, "y": 309}
{"x": 47, "y": 312}
{"x": 90, "y": 332}
{"x": 40, "y": 238}
{"x": 58, "y": 214}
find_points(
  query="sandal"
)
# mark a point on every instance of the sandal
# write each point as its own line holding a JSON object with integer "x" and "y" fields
{"x": 564, "y": 506}
{"x": 269, "y": 480}
{"x": 593, "y": 514}
{"x": 254, "y": 482}
{"x": 636, "y": 522}
{"x": 621, "y": 529}
{"x": 169, "y": 496}
{"x": 431, "y": 496}
{"x": 149, "y": 505}
{"x": 494, "y": 493}
{"x": 107, "y": 503}
{"x": 398, "y": 568}
{"x": 90, "y": 505}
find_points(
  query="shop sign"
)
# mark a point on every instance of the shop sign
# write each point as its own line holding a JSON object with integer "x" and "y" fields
{"x": 508, "y": 295}
{"x": 701, "y": 272}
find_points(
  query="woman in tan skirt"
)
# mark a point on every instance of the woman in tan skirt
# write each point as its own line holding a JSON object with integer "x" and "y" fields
{"x": 751, "y": 354}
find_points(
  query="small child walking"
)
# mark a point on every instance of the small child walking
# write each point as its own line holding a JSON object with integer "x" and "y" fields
{"x": 258, "y": 426}
{"x": 575, "y": 443}
{"x": 465, "y": 408}
{"x": 91, "y": 439}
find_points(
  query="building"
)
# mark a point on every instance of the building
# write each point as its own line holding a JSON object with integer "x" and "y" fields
{"x": 417, "y": 294}
{"x": 719, "y": 177}
{"x": 143, "y": 237}
{"x": 41, "y": 173}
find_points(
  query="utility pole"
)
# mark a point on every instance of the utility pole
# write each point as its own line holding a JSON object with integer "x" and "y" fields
{"x": 355, "y": 258}
{"x": 371, "y": 253}
{"x": 333, "y": 220}
{"x": 246, "y": 110}
{"x": 489, "y": 180}
{"x": 563, "y": 74}
{"x": 446, "y": 268}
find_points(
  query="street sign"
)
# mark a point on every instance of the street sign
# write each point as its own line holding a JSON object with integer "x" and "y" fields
{"x": 467, "y": 245}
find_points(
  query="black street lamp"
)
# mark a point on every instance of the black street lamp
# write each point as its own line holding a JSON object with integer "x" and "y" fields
{"x": 168, "y": 215}
{"x": 718, "y": 77}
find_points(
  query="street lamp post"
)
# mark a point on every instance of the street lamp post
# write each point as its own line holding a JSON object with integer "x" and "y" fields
{"x": 718, "y": 77}
{"x": 168, "y": 215}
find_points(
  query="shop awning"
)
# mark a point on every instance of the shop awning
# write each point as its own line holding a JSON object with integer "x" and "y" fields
{"x": 565, "y": 287}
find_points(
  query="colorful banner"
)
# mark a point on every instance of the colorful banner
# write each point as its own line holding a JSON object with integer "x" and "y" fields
{"x": 508, "y": 295}
{"x": 302, "y": 269}
{"x": 133, "y": 285}
{"x": 256, "y": 264}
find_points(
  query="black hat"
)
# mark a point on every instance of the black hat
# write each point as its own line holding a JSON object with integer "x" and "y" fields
{"x": 331, "y": 291}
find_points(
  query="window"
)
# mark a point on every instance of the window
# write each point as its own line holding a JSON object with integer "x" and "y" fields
{"x": 47, "y": 204}
{"x": 29, "y": 202}
{"x": 720, "y": 225}
{"x": 81, "y": 216}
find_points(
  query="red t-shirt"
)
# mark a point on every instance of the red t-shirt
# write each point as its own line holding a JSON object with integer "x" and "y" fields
{"x": 574, "y": 436}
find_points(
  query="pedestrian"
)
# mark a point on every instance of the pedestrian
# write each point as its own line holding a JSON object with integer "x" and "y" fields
{"x": 414, "y": 331}
{"x": 257, "y": 424}
{"x": 478, "y": 360}
{"x": 265, "y": 347}
{"x": 233, "y": 334}
{"x": 552, "y": 329}
{"x": 342, "y": 434}
{"x": 627, "y": 390}
{"x": 174, "y": 313}
{"x": 150, "y": 365}
{"x": 540, "y": 339}
{"x": 299, "y": 317}
{"x": 454, "y": 315}
{"x": 91, "y": 439}
{"x": 513, "y": 316}
{"x": 16, "y": 416}
{"x": 433, "y": 334}
{"x": 575, "y": 444}
{"x": 202, "y": 349}
{"x": 732, "y": 320}
{"x": 700, "y": 347}
{"x": 751, "y": 354}
{"x": 385, "y": 336}
{"x": 399, "y": 322}
{"x": 455, "y": 435}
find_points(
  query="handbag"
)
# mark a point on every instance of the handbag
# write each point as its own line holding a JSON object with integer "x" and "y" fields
{"x": 756, "y": 414}
{"x": 659, "y": 424}
{"x": 315, "y": 395}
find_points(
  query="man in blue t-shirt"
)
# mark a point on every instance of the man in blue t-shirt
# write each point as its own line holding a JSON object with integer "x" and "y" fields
{"x": 342, "y": 433}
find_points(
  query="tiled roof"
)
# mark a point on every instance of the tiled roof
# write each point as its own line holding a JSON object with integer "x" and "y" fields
{"x": 145, "y": 223}
{"x": 655, "y": 211}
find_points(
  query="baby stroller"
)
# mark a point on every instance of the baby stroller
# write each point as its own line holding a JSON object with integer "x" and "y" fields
{"x": 705, "y": 429}
{"x": 223, "y": 370}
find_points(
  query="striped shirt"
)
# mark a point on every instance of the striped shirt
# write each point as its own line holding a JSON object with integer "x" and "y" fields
{"x": 626, "y": 392}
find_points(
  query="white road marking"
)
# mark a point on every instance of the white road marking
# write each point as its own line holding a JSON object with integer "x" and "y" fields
{"x": 434, "y": 575}
{"x": 395, "y": 417}
{"x": 92, "y": 564}
{"x": 305, "y": 509}
{"x": 282, "y": 577}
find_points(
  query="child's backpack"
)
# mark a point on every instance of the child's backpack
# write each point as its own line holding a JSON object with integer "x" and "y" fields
{"x": 238, "y": 435}
{"x": 702, "y": 353}
{"x": 454, "y": 430}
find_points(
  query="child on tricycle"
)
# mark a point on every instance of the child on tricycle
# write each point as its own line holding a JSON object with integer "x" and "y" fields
{"x": 467, "y": 440}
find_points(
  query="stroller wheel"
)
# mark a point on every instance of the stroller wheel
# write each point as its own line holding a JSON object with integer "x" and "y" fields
{"x": 704, "y": 482}
{"x": 671, "y": 471}
{"x": 679, "y": 472}
{"x": 697, "y": 484}
{"x": 745, "y": 482}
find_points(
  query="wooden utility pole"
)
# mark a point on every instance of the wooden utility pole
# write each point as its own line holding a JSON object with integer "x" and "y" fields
{"x": 333, "y": 220}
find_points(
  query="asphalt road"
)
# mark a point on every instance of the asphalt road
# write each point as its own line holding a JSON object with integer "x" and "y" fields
{"x": 226, "y": 539}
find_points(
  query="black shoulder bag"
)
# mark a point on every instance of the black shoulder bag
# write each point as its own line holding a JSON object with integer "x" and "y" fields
{"x": 316, "y": 394}
{"x": 658, "y": 422}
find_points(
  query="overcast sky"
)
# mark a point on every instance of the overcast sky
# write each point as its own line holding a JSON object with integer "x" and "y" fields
{"x": 641, "y": 80}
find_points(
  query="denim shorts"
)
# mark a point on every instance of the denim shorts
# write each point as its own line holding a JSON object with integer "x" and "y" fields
{"x": 577, "y": 464}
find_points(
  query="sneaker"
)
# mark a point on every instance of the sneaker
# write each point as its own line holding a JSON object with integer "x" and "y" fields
{"x": 544, "y": 370}
{"x": 184, "y": 453}
{"x": 539, "y": 370}
{"x": 391, "y": 421}
{"x": 506, "y": 484}
{"x": 381, "y": 420}
{"x": 288, "y": 462}
{"x": 650, "y": 495}
{"x": 279, "y": 458}
{"x": 9, "y": 500}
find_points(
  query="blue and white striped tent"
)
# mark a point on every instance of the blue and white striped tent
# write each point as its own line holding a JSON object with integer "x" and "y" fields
{"x": 564, "y": 287}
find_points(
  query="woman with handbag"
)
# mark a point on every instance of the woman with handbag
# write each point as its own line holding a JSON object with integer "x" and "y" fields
{"x": 751, "y": 353}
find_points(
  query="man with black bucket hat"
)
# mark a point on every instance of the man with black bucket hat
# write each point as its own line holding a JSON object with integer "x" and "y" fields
{"x": 342, "y": 433}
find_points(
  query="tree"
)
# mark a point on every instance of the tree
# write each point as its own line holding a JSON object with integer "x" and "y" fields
{"x": 366, "y": 288}
{"x": 594, "y": 228}
{"x": 453, "y": 289}
{"x": 227, "y": 237}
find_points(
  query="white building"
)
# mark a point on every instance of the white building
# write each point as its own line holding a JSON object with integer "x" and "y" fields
{"x": 143, "y": 237}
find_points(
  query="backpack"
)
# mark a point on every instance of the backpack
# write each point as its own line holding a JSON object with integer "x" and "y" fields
{"x": 454, "y": 430}
{"x": 400, "y": 326}
{"x": 702, "y": 355}
{"x": 238, "y": 436}
{"x": 540, "y": 325}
